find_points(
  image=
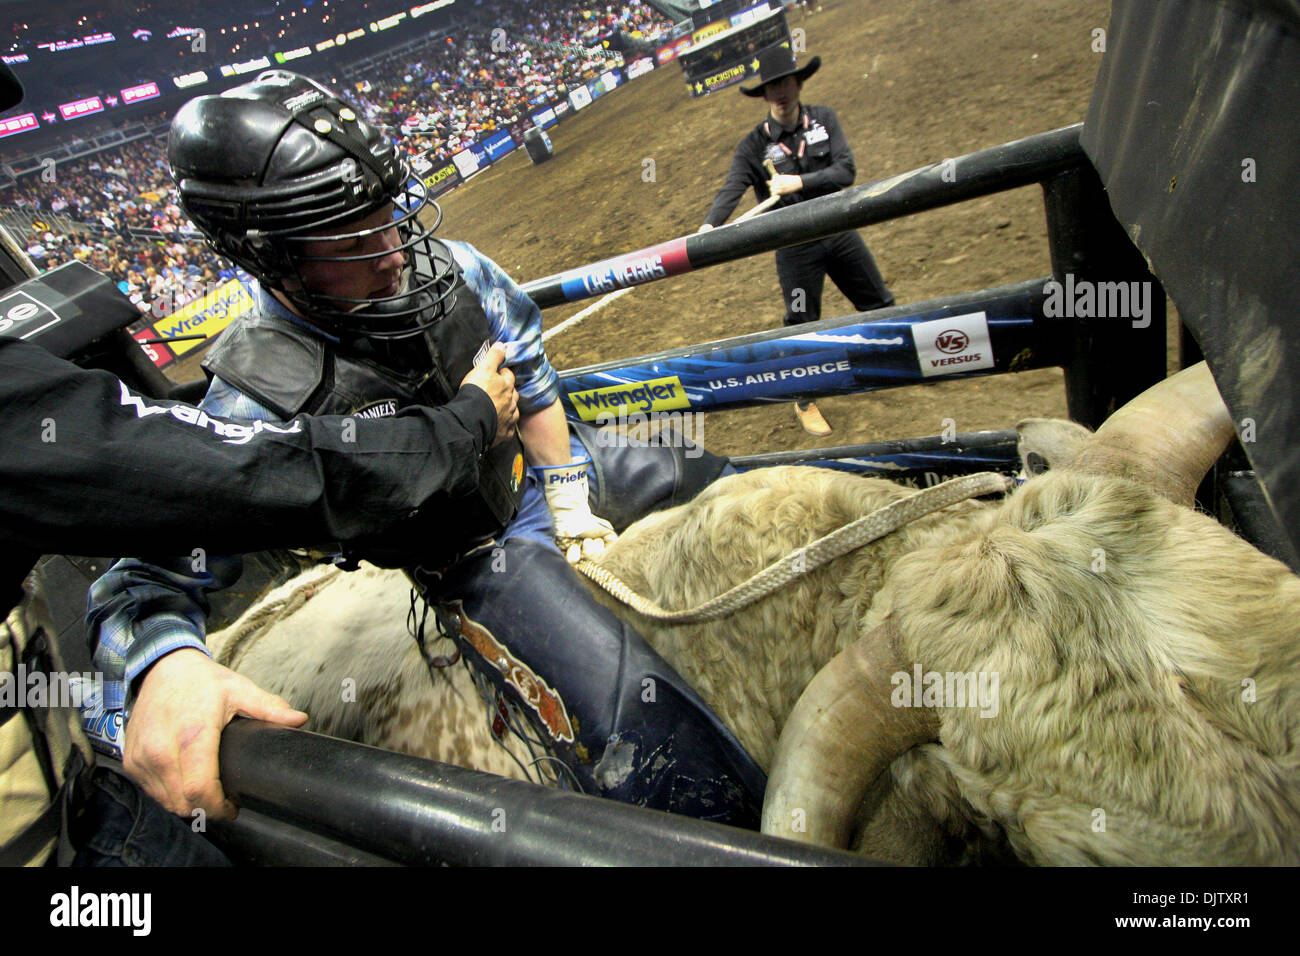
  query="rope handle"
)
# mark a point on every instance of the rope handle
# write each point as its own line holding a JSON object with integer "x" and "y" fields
{"x": 801, "y": 561}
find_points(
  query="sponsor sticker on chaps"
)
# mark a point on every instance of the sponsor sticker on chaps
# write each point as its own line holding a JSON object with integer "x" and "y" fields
{"x": 959, "y": 343}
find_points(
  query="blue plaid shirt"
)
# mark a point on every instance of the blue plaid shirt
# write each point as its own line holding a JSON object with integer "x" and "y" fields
{"x": 141, "y": 610}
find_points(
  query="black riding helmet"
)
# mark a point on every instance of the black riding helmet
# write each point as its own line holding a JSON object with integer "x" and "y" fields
{"x": 281, "y": 161}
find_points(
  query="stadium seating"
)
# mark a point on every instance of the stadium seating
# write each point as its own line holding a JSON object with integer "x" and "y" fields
{"x": 115, "y": 208}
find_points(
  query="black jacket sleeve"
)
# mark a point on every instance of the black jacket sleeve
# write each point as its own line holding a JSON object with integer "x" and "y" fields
{"x": 746, "y": 170}
{"x": 87, "y": 467}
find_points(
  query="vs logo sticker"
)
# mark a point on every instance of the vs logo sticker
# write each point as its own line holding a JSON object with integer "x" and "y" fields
{"x": 952, "y": 341}
{"x": 960, "y": 343}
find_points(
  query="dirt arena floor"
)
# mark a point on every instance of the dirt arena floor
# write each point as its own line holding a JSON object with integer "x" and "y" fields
{"x": 913, "y": 82}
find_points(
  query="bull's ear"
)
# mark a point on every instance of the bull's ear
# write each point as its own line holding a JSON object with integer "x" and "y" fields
{"x": 1046, "y": 443}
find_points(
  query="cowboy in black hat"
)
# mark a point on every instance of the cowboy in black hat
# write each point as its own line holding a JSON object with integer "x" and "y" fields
{"x": 808, "y": 157}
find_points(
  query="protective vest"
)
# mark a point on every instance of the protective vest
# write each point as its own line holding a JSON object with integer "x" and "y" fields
{"x": 292, "y": 370}
{"x": 42, "y": 747}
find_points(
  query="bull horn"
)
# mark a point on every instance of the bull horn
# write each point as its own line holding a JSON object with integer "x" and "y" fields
{"x": 840, "y": 736}
{"x": 1166, "y": 438}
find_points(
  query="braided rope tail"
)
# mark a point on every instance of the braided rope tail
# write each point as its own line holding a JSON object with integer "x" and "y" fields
{"x": 803, "y": 560}
{"x": 241, "y": 636}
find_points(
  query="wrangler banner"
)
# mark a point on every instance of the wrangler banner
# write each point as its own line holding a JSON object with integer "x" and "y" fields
{"x": 205, "y": 316}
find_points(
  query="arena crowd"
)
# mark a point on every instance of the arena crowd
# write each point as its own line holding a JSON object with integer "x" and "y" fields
{"x": 507, "y": 59}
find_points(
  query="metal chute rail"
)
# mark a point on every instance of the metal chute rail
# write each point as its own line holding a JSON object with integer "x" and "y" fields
{"x": 1106, "y": 361}
{"x": 338, "y": 800}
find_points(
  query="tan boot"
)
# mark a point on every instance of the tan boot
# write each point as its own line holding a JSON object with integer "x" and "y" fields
{"x": 811, "y": 419}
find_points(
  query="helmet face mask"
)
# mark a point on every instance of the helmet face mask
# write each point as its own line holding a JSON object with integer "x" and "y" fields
{"x": 379, "y": 276}
{"x": 285, "y": 179}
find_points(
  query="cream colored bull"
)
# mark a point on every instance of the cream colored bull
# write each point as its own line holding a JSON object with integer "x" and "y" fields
{"x": 336, "y": 646}
{"x": 1131, "y": 668}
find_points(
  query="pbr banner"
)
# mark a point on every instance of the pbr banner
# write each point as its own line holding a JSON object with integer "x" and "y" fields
{"x": 980, "y": 334}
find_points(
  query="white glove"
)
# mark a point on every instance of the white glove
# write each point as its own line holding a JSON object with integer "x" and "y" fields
{"x": 579, "y": 533}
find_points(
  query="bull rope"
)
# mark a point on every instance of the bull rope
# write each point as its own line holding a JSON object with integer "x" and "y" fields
{"x": 804, "y": 560}
{"x": 238, "y": 639}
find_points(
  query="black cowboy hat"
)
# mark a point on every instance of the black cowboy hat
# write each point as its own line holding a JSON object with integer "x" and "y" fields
{"x": 776, "y": 63}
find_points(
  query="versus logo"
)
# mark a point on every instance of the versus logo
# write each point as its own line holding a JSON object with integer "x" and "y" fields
{"x": 952, "y": 341}
{"x": 959, "y": 343}
{"x": 659, "y": 394}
